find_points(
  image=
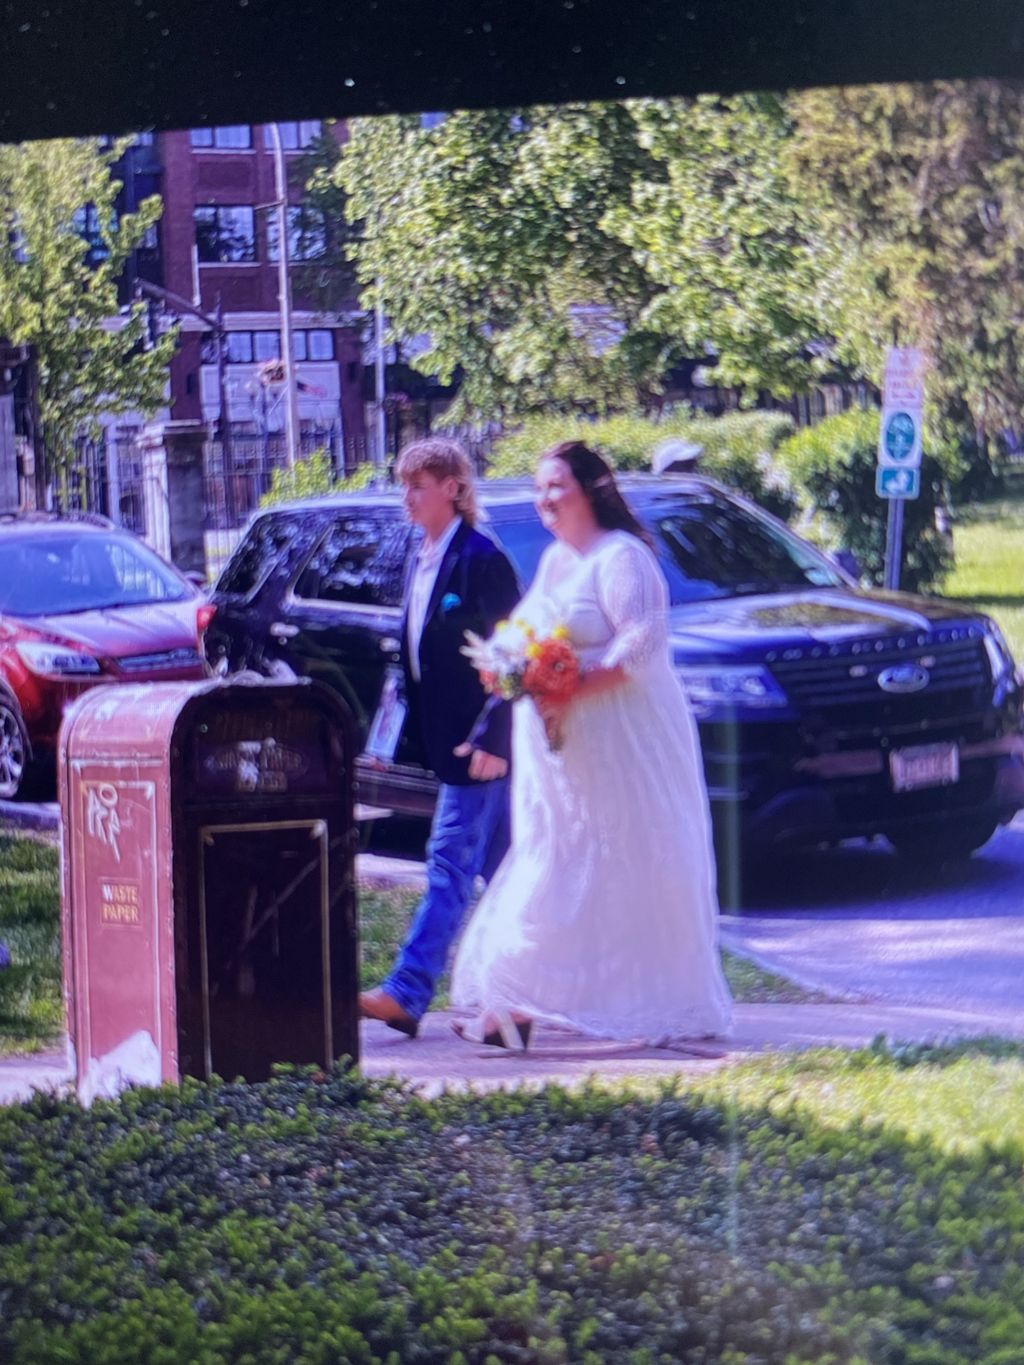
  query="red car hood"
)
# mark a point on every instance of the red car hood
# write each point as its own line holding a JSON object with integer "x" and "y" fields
{"x": 115, "y": 632}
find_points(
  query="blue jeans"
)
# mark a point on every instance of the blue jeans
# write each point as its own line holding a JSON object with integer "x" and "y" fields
{"x": 468, "y": 838}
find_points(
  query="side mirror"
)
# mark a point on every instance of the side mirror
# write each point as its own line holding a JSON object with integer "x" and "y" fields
{"x": 849, "y": 563}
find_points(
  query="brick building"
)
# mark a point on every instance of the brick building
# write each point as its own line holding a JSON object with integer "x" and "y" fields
{"x": 216, "y": 243}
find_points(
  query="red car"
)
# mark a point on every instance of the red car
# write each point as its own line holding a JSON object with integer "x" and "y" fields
{"x": 82, "y": 603}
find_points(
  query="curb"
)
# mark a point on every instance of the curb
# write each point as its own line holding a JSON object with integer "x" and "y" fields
{"x": 39, "y": 816}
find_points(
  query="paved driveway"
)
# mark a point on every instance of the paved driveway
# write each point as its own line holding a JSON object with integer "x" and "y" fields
{"x": 859, "y": 922}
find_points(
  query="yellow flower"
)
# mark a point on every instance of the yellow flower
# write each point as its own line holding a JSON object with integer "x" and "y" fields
{"x": 560, "y": 633}
{"x": 502, "y": 625}
{"x": 533, "y": 651}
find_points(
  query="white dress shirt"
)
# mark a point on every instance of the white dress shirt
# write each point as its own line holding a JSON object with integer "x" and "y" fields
{"x": 428, "y": 562}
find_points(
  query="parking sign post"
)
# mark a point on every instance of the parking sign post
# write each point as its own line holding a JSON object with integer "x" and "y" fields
{"x": 898, "y": 476}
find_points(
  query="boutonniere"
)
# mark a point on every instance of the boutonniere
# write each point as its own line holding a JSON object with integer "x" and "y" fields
{"x": 450, "y": 601}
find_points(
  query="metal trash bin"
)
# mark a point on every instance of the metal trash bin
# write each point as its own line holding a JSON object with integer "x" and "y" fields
{"x": 208, "y": 881}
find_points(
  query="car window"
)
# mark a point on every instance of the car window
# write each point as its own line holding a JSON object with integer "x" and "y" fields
{"x": 716, "y": 549}
{"x": 361, "y": 560}
{"x": 49, "y": 575}
{"x": 257, "y": 554}
{"x": 524, "y": 540}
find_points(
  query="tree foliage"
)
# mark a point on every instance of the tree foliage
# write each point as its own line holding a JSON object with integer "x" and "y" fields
{"x": 486, "y": 237}
{"x": 562, "y": 259}
{"x": 921, "y": 198}
{"x": 58, "y": 287}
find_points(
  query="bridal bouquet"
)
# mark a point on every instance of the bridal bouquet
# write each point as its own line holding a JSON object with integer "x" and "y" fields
{"x": 517, "y": 662}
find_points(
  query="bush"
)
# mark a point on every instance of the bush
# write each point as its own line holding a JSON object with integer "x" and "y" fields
{"x": 738, "y": 448}
{"x": 833, "y": 466}
{"x": 321, "y": 1217}
{"x": 312, "y": 478}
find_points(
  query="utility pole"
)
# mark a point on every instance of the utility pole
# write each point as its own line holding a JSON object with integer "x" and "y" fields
{"x": 215, "y": 322}
{"x": 284, "y": 299}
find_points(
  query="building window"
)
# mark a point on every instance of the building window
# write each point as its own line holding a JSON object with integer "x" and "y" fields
{"x": 247, "y": 348}
{"x": 428, "y": 121}
{"x": 88, "y": 226}
{"x": 228, "y": 137}
{"x": 225, "y": 234}
{"x": 266, "y": 346}
{"x": 319, "y": 344}
{"x": 239, "y": 348}
{"x": 294, "y": 136}
{"x": 307, "y": 237}
{"x": 143, "y": 140}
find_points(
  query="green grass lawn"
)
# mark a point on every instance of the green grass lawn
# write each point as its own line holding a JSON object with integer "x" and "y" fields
{"x": 31, "y": 1012}
{"x": 988, "y": 541}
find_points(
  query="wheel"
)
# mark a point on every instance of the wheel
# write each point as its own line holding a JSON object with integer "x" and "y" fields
{"x": 13, "y": 749}
{"x": 944, "y": 840}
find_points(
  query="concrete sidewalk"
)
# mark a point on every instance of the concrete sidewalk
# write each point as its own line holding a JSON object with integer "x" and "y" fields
{"x": 437, "y": 1059}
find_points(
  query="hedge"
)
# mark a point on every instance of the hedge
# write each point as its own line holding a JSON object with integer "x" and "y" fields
{"x": 738, "y": 448}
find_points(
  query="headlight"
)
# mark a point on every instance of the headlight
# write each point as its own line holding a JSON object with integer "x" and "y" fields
{"x": 55, "y": 661}
{"x": 1000, "y": 660}
{"x": 731, "y": 685}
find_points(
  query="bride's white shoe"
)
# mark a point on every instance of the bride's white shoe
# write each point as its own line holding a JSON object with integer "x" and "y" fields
{"x": 496, "y": 1030}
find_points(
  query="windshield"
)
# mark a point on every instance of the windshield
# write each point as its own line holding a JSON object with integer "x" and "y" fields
{"x": 706, "y": 547}
{"x": 716, "y": 549}
{"x": 48, "y": 575}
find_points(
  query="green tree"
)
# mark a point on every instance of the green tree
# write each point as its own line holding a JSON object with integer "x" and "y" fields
{"x": 62, "y": 251}
{"x": 731, "y": 251}
{"x": 921, "y": 197}
{"x": 487, "y": 237}
{"x": 323, "y": 273}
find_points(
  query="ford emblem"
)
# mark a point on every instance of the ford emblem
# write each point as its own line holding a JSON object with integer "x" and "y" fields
{"x": 903, "y": 678}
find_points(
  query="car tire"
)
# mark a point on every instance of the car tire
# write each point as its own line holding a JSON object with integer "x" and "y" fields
{"x": 943, "y": 841}
{"x": 14, "y": 749}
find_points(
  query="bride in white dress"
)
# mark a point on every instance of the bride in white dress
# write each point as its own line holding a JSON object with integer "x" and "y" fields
{"x": 603, "y": 916}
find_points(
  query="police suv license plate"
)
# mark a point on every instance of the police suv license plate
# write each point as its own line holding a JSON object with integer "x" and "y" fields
{"x": 925, "y": 765}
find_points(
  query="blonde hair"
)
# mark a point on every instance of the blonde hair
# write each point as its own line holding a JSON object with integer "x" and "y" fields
{"x": 443, "y": 459}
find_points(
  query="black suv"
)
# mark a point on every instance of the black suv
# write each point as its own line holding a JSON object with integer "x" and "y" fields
{"x": 825, "y": 711}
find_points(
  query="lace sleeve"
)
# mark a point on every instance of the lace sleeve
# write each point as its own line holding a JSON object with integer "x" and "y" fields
{"x": 634, "y": 597}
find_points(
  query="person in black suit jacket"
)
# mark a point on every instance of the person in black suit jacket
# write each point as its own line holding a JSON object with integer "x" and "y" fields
{"x": 460, "y": 580}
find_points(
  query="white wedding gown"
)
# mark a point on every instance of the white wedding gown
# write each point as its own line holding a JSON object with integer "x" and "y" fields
{"x": 603, "y": 915}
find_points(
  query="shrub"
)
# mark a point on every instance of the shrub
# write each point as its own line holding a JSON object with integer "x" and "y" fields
{"x": 322, "y": 1217}
{"x": 312, "y": 478}
{"x": 738, "y": 448}
{"x": 833, "y": 465}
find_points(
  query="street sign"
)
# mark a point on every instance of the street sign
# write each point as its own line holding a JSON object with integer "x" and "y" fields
{"x": 898, "y": 476}
{"x": 899, "y": 442}
{"x": 897, "y": 483}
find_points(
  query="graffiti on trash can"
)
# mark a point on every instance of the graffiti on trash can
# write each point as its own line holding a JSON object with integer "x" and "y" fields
{"x": 255, "y": 765}
{"x": 102, "y": 821}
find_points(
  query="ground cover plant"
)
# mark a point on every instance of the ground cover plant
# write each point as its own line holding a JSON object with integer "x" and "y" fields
{"x": 320, "y": 1217}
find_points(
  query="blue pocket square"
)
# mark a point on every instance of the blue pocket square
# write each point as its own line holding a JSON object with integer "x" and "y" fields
{"x": 450, "y": 601}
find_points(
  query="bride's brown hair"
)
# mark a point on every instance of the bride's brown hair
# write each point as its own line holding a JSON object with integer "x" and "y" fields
{"x": 594, "y": 475}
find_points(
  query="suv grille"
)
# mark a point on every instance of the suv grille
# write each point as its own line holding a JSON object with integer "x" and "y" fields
{"x": 842, "y": 681}
{"x": 185, "y": 657}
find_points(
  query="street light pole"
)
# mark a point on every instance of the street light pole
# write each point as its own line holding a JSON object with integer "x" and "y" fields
{"x": 215, "y": 322}
{"x": 284, "y": 299}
